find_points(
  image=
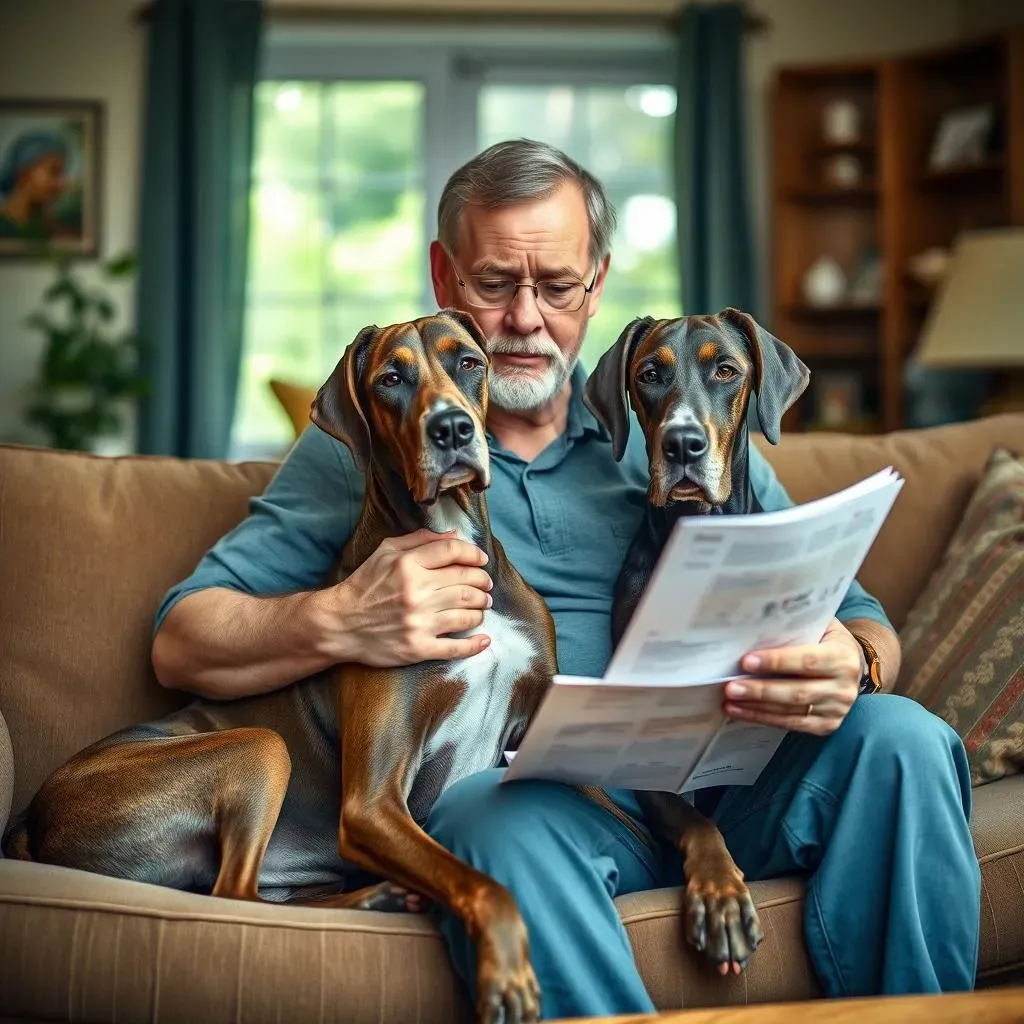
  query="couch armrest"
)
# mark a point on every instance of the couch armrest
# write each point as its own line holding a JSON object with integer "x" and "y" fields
{"x": 6, "y": 774}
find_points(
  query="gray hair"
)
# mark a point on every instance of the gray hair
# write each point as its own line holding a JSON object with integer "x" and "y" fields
{"x": 518, "y": 171}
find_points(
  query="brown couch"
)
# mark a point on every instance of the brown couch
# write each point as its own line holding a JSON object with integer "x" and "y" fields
{"x": 87, "y": 548}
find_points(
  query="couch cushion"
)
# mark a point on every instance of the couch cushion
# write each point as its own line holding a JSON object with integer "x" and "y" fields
{"x": 6, "y": 773}
{"x": 88, "y": 547}
{"x": 997, "y": 823}
{"x": 83, "y": 947}
{"x": 963, "y": 642}
{"x": 118, "y": 950}
{"x": 77, "y": 946}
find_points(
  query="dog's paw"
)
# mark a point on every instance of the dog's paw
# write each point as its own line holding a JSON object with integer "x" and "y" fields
{"x": 507, "y": 988}
{"x": 391, "y": 898}
{"x": 721, "y": 920}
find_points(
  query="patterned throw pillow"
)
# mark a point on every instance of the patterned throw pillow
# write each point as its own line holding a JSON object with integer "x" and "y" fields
{"x": 963, "y": 641}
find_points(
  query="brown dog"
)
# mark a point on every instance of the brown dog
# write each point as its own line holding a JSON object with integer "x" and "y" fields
{"x": 244, "y": 798}
{"x": 689, "y": 382}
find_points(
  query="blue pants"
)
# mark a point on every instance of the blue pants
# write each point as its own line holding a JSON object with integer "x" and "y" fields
{"x": 875, "y": 816}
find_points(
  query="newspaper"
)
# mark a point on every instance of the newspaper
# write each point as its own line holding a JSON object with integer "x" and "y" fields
{"x": 723, "y": 586}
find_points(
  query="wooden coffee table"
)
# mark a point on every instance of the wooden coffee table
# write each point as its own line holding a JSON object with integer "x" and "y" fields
{"x": 991, "y": 1006}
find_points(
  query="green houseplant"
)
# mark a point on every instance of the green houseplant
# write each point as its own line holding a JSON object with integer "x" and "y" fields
{"x": 89, "y": 367}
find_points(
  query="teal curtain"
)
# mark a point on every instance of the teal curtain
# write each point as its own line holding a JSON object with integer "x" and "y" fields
{"x": 203, "y": 58}
{"x": 716, "y": 247}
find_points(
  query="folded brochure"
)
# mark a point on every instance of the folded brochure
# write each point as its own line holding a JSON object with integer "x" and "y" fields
{"x": 723, "y": 586}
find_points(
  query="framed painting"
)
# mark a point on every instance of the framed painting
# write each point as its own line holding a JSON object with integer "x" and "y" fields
{"x": 50, "y": 166}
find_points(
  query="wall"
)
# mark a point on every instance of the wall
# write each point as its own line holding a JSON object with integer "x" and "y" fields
{"x": 94, "y": 49}
{"x": 980, "y": 16}
{"x": 805, "y": 31}
{"x": 812, "y": 30}
{"x": 87, "y": 49}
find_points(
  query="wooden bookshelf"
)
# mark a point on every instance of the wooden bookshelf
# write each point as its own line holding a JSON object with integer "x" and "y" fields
{"x": 898, "y": 206}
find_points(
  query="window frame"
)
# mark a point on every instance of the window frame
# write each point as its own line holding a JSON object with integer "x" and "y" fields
{"x": 453, "y": 63}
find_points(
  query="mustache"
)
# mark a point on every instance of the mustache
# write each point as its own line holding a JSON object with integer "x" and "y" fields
{"x": 513, "y": 346}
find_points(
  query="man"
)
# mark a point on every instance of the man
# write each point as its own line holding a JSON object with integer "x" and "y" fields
{"x": 869, "y": 796}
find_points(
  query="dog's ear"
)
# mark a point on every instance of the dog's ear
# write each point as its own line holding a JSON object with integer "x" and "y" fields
{"x": 780, "y": 377}
{"x": 336, "y": 409}
{"x": 606, "y": 394}
{"x": 467, "y": 321}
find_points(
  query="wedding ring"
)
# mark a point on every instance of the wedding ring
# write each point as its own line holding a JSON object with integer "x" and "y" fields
{"x": 809, "y": 711}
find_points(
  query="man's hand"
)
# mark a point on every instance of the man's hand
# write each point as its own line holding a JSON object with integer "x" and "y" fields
{"x": 396, "y": 608}
{"x": 813, "y": 687}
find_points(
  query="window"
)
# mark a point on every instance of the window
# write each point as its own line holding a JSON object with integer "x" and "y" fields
{"x": 353, "y": 145}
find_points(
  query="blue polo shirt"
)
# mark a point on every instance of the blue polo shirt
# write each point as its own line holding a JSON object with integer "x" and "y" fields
{"x": 565, "y": 520}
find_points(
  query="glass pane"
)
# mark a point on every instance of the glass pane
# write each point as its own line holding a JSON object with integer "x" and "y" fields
{"x": 288, "y": 136}
{"x": 337, "y": 237}
{"x": 382, "y": 255}
{"x": 347, "y": 319}
{"x": 375, "y": 134}
{"x": 544, "y": 112}
{"x": 284, "y": 342}
{"x": 630, "y": 133}
{"x": 286, "y": 240}
{"x": 622, "y": 135}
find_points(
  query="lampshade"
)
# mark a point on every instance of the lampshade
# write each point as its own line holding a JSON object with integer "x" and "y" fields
{"x": 977, "y": 320}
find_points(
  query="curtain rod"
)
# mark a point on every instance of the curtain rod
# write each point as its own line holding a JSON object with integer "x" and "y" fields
{"x": 310, "y": 13}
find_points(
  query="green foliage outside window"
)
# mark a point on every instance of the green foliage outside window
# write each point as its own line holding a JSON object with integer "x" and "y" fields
{"x": 339, "y": 220}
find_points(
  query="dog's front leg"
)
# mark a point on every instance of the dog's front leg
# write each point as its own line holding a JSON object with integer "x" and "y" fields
{"x": 381, "y": 743}
{"x": 721, "y": 920}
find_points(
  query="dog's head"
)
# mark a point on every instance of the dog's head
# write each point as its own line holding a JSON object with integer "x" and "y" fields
{"x": 689, "y": 380}
{"x": 412, "y": 398}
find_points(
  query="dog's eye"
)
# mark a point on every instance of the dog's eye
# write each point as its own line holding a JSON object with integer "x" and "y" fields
{"x": 390, "y": 380}
{"x": 648, "y": 376}
{"x": 469, "y": 363}
{"x": 725, "y": 372}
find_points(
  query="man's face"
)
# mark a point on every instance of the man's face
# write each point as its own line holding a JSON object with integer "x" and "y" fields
{"x": 533, "y": 350}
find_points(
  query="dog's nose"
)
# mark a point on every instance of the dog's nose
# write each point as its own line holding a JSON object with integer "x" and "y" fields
{"x": 684, "y": 444}
{"x": 450, "y": 429}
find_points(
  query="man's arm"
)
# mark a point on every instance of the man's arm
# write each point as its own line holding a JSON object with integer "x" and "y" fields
{"x": 886, "y": 644}
{"x": 222, "y": 643}
{"x": 254, "y": 615}
{"x": 248, "y": 619}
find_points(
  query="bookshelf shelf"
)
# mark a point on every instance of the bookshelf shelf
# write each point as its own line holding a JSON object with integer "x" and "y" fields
{"x": 846, "y": 311}
{"x": 831, "y": 194}
{"x": 980, "y": 174}
{"x": 892, "y": 207}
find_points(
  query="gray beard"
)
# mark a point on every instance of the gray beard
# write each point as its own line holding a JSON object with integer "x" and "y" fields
{"x": 517, "y": 390}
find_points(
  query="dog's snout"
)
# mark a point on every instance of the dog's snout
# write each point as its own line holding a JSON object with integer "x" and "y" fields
{"x": 450, "y": 429}
{"x": 684, "y": 444}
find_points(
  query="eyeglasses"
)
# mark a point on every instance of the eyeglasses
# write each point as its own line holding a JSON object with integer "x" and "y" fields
{"x": 492, "y": 291}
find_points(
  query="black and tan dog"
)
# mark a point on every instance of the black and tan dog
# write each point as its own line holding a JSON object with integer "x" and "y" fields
{"x": 689, "y": 382}
{"x": 245, "y": 799}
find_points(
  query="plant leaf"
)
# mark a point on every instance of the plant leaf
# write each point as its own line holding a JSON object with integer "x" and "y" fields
{"x": 121, "y": 266}
{"x": 41, "y": 322}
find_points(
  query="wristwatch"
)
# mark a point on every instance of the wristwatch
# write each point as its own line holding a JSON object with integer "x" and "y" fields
{"x": 871, "y": 680}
